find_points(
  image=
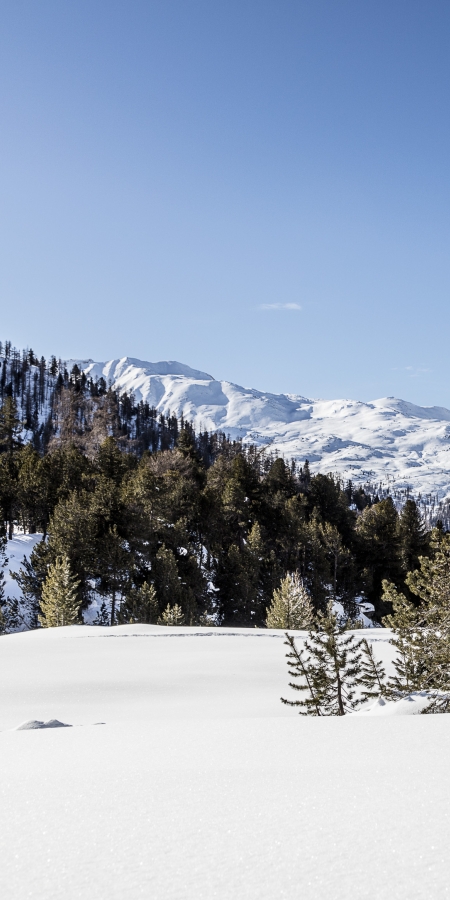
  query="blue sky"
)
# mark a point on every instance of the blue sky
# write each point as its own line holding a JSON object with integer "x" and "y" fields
{"x": 259, "y": 189}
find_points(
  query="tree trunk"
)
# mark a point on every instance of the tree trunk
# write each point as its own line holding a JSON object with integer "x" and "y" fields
{"x": 339, "y": 692}
{"x": 113, "y": 606}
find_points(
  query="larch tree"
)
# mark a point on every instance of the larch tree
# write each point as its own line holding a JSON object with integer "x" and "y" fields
{"x": 172, "y": 615}
{"x": 291, "y": 605}
{"x": 60, "y": 602}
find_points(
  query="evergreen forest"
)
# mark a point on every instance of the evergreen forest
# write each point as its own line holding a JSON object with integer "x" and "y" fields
{"x": 150, "y": 515}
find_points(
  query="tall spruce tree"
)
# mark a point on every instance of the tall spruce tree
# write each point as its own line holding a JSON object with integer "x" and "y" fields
{"x": 413, "y": 536}
{"x": 114, "y": 568}
{"x": 10, "y": 426}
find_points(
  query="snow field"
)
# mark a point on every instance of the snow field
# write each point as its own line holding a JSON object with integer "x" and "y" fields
{"x": 201, "y": 784}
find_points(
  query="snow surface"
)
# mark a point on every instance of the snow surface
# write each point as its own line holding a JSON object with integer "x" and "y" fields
{"x": 200, "y": 784}
{"x": 386, "y": 440}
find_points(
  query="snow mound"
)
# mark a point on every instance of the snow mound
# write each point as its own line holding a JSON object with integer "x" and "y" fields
{"x": 411, "y": 705}
{"x": 34, "y": 724}
{"x": 387, "y": 440}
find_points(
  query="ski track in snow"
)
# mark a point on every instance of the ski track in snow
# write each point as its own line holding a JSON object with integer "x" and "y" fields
{"x": 387, "y": 440}
{"x": 201, "y": 784}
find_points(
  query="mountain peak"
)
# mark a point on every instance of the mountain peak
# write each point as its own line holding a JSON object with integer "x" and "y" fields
{"x": 114, "y": 368}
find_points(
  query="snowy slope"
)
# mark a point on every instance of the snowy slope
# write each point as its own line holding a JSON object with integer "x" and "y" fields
{"x": 387, "y": 440}
{"x": 201, "y": 784}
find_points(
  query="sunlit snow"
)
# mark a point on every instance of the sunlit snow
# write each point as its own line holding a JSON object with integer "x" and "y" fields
{"x": 183, "y": 776}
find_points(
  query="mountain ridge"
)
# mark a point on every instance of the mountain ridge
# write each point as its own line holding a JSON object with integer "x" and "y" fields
{"x": 388, "y": 440}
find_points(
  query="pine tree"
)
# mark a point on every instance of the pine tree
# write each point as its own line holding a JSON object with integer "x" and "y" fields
{"x": 172, "y": 615}
{"x": 431, "y": 583}
{"x": 11, "y": 618}
{"x": 413, "y": 537}
{"x": 405, "y": 621}
{"x": 380, "y": 556}
{"x": 10, "y": 426}
{"x": 167, "y": 580}
{"x": 311, "y": 679}
{"x": 30, "y": 578}
{"x": 102, "y": 617}
{"x": 60, "y": 602}
{"x": 114, "y": 567}
{"x": 140, "y": 605}
{"x": 291, "y": 605}
{"x": 372, "y": 677}
{"x": 10, "y": 613}
{"x": 332, "y": 668}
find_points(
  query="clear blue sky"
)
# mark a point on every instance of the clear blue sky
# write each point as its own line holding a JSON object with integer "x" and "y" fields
{"x": 177, "y": 177}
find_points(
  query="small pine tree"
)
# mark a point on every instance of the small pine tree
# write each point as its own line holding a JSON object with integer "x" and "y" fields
{"x": 311, "y": 679}
{"x": 172, "y": 615}
{"x": 60, "y": 602}
{"x": 331, "y": 666}
{"x": 408, "y": 641}
{"x": 372, "y": 677}
{"x": 11, "y": 618}
{"x": 140, "y": 605}
{"x": 291, "y": 605}
{"x": 422, "y": 634}
{"x": 103, "y": 616}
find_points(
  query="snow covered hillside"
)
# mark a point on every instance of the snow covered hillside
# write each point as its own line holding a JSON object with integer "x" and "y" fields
{"x": 200, "y": 784}
{"x": 388, "y": 440}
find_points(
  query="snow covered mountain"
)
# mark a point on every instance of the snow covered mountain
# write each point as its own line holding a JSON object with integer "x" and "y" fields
{"x": 389, "y": 441}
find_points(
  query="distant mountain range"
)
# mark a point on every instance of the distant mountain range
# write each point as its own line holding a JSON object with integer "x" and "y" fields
{"x": 386, "y": 441}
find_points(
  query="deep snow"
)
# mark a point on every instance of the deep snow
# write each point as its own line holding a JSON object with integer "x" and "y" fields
{"x": 387, "y": 440}
{"x": 200, "y": 783}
